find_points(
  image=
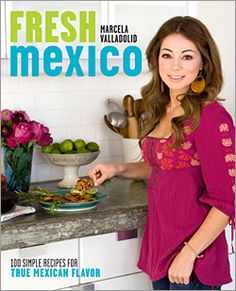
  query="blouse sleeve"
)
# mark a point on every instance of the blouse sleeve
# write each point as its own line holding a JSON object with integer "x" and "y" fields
{"x": 215, "y": 143}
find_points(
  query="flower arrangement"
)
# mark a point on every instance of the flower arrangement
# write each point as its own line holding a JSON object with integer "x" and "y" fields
{"x": 19, "y": 130}
{"x": 19, "y": 134}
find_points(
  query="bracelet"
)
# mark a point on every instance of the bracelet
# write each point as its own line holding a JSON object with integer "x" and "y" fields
{"x": 196, "y": 255}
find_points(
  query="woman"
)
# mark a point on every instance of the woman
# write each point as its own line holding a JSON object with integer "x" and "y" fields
{"x": 188, "y": 151}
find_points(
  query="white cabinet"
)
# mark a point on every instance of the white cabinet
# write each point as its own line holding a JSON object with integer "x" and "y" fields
{"x": 144, "y": 18}
{"x": 51, "y": 252}
{"x": 115, "y": 255}
{"x": 137, "y": 281}
{"x": 3, "y": 31}
{"x": 57, "y": 7}
{"x": 112, "y": 257}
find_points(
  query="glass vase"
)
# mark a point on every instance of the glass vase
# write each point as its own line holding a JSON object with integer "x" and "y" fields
{"x": 18, "y": 163}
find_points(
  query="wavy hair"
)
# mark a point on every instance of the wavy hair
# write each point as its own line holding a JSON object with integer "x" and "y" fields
{"x": 155, "y": 101}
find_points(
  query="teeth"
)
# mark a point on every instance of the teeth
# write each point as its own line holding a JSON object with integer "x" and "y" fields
{"x": 176, "y": 77}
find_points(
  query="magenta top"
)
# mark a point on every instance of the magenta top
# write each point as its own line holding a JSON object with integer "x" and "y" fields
{"x": 184, "y": 184}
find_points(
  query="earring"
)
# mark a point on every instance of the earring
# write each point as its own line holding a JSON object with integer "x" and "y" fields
{"x": 199, "y": 84}
{"x": 162, "y": 87}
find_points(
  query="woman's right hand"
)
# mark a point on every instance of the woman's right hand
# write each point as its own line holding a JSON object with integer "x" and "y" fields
{"x": 102, "y": 172}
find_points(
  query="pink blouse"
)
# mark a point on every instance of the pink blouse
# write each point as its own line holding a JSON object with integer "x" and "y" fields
{"x": 185, "y": 183}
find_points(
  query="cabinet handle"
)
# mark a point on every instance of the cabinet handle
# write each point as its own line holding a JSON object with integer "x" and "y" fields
{"x": 33, "y": 251}
{"x": 127, "y": 234}
{"x": 88, "y": 287}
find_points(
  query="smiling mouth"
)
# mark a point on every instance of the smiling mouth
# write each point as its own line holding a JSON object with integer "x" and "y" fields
{"x": 176, "y": 78}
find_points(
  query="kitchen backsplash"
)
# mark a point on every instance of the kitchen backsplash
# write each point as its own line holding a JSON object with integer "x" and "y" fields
{"x": 72, "y": 108}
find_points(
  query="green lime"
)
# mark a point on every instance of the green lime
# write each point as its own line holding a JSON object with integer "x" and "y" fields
{"x": 47, "y": 149}
{"x": 79, "y": 143}
{"x": 87, "y": 196}
{"x": 75, "y": 191}
{"x": 82, "y": 151}
{"x": 92, "y": 191}
{"x": 55, "y": 151}
{"x": 66, "y": 146}
{"x": 92, "y": 146}
{"x": 56, "y": 145}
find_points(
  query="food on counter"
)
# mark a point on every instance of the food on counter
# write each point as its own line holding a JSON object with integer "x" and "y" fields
{"x": 83, "y": 185}
{"x": 79, "y": 143}
{"x": 47, "y": 149}
{"x": 83, "y": 192}
{"x": 71, "y": 197}
{"x": 92, "y": 146}
{"x": 68, "y": 146}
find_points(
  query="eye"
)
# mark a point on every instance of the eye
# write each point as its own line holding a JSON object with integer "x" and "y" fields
{"x": 166, "y": 56}
{"x": 187, "y": 57}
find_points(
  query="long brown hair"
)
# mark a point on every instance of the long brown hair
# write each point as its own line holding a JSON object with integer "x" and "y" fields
{"x": 156, "y": 99}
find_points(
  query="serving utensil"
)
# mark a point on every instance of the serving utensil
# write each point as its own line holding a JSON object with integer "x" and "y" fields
{"x": 117, "y": 119}
{"x": 133, "y": 128}
{"x": 112, "y": 105}
{"x": 109, "y": 125}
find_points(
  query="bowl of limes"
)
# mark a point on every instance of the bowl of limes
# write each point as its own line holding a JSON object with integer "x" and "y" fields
{"x": 70, "y": 155}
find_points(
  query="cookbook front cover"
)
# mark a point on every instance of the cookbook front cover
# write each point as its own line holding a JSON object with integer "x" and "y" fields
{"x": 69, "y": 65}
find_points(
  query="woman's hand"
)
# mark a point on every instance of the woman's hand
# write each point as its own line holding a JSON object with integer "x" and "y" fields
{"x": 181, "y": 267}
{"x": 102, "y": 172}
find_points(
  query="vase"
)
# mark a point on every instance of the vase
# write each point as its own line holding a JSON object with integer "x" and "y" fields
{"x": 18, "y": 163}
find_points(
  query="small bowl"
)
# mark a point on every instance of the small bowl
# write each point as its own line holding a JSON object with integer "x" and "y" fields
{"x": 71, "y": 164}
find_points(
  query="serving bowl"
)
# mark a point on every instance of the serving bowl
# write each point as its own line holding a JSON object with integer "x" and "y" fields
{"x": 71, "y": 164}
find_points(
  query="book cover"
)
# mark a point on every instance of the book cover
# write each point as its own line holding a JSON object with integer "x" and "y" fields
{"x": 68, "y": 64}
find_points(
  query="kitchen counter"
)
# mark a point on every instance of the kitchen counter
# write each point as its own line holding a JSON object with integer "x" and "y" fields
{"x": 125, "y": 208}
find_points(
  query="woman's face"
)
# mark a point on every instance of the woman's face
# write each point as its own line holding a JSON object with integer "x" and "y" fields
{"x": 179, "y": 63}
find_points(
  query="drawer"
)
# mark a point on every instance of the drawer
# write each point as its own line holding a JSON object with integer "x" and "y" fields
{"x": 112, "y": 257}
{"x": 67, "y": 249}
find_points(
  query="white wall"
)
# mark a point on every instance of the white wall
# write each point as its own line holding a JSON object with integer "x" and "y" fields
{"x": 74, "y": 107}
{"x": 219, "y": 17}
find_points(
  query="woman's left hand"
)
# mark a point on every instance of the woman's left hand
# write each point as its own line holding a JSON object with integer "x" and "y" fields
{"x": 181, "y": 267}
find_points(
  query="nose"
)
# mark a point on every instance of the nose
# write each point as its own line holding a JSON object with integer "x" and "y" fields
{"x": 176, "y": 64}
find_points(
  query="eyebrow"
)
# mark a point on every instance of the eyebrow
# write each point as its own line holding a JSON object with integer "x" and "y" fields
{"x": 188, "y": 50}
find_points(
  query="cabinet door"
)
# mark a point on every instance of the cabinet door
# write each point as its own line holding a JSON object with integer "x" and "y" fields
{"x": 3, "y": 30}
{"x": 138, "y": 281}
{"x": 59, "y": 250}
{"x": 100, "y": 8}
{"x": 111, "y": 257}
{"x": 144, "y": 18}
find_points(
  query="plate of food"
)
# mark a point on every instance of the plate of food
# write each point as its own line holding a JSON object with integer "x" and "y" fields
{"x": 83, "y": 197}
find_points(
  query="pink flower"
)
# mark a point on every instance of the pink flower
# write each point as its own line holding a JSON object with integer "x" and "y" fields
{"x": 20, "y": 116}
{"x": 36, "y": 131}
{"x": 7, "y": 117}
{"x": 18, "y": 129}
{"x": 46, "y": 138}
{"x": 11, "y": 142}
{"x": 224, "y": 127}
{"x": 22, "y": 132}
{"x": 229, "y": 158}
{"x": 6, "y": 114}
{"x": 6, "y": 131}
{"x": 227, "y": 142}
{"x": 186, "y": 145}
{"x": 231, "y": 172}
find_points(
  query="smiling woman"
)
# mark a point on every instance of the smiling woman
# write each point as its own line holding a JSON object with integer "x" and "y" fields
{"x": 188, "y": 150}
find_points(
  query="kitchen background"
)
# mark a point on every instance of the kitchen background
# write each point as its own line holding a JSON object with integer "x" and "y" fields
{"x": 74, "y": 107}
